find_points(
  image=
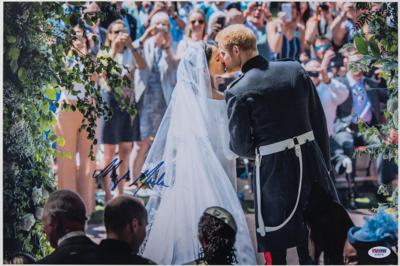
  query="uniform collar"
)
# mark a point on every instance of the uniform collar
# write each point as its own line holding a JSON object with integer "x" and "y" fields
{"x": 255, "y": 62}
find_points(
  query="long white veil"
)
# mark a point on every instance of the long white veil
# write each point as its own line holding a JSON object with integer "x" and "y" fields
{"x": 194, "y": 179}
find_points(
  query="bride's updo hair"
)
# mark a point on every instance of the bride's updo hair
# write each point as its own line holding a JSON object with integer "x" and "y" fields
{"x": 217, "y": 230}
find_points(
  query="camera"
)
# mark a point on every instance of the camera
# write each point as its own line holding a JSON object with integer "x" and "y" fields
{"x": 221, "y": 21}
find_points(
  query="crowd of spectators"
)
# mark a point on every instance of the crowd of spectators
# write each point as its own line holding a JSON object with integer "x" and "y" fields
{"x": 149, "y": 38}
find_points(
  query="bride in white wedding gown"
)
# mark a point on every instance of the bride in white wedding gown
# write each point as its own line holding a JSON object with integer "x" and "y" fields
{"x": 198, "y": 170}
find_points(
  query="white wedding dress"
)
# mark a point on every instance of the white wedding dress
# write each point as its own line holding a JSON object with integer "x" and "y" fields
{"x": 199, "y": 168}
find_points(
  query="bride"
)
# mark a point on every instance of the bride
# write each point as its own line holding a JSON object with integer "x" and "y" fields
{"x": 198, "y": 169}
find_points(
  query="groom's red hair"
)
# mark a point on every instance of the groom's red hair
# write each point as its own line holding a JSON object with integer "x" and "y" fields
{"x": 239, "y": 35}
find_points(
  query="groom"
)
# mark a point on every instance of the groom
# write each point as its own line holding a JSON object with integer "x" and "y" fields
{"x": 275, "y": 116}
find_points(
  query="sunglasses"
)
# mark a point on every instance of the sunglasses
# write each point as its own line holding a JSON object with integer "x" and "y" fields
{"x": 118, "y": 31}
{"x": 200, "y": 21}
{"x": 91, "y": 14}
{"x": 314, "y": 74}
{"x": 322, "y": 47}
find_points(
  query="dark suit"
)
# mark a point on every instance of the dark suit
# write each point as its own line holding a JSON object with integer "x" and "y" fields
{"x": 344, "y": 139}
{"x": 112, "y": 251}
{"x": 73, "y": 250}
{"x": 376, "y": 95}
{"x": 271, "y": 102}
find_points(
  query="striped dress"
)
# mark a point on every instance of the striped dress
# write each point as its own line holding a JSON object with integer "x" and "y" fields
{"x": 291, "y": 48}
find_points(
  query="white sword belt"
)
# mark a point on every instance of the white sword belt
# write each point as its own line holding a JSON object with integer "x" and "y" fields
{"x": 287, "y": 144}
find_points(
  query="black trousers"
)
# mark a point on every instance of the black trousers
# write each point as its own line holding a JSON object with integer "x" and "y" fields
{"x": 279, "y": 257}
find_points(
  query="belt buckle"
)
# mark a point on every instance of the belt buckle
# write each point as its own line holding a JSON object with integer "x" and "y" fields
{"x": 296, "y": 141}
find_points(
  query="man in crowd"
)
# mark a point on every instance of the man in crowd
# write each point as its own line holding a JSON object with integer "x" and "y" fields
{"x": 362, "y": 105}
{"x": 64, "y": 220}
{"x": 332, "y": 93}
{"x": 125, "y": 219}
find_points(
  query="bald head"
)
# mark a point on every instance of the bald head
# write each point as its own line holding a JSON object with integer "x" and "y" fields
{"x": 312, "y": 65}
{"x": 120, "y": 211}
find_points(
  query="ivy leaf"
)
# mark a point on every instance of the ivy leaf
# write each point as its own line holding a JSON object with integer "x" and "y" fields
{"x": 14, "y": 65}
{"x": 74, "y": 19}
{"x": 374, "y": 47}
{"x": 52, "y": 137}
{"x": 14, "y": 53}
{"x": 50, "y": 93}
{"x": 22, "y": 74}
{"x": 361, "y": 45}
{"x": 60, "y": 141}
{"x": 95, "y": 39}
{"x": 68, "y": 155}
{"x": 11, "y": 39}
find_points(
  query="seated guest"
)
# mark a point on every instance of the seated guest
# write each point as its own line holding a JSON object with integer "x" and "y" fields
{"x": 125, "y": 219}
{"x": 363, "y": 105}
{"x": 64, "y": 220}
{"x": 217, "y": 235}
{"x": 20, "y": 258}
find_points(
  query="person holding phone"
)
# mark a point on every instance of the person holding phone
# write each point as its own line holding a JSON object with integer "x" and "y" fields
{"x": 256, "y": 14}
{"x": 286, "y": 34}
{"x": 217, "y": 23}
{"x": 319, "y": 25}
{"x": 121, "y": 130}
{"x": 153, "y": 85}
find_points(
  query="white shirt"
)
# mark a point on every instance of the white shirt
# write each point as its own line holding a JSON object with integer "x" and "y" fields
{"x": 332, "y": 95}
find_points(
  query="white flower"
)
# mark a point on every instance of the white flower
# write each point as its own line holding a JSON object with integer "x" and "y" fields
{"x": 36, "y": 195}
{"x": 28, "y": 220}
{"x": 45, "y": 194}
{"x": 39, "y": 213}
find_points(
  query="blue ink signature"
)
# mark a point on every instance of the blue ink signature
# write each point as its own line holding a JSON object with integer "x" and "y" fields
{"x": 112, "y": 168}
{"x": 144, "y": 178}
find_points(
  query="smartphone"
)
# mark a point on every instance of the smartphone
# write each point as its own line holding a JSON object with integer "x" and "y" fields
{"x": 287, "y": 9}
{"x": 221, "y": 21}
{"x": 337, "y": 61}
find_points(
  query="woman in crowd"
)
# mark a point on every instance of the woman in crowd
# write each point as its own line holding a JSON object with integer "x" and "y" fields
{"x": 73, "y": 176}
{"x": 217, "y": 235}
{"x": 286, "y": 35}
{"x": 305, "y": 13}
{"x": 195, "y": 31}
{"x": 319, "y": 25}
{"x": 255, "y": 17}
{"x": 153, "y": 85}
{"x": 121, "y": 129}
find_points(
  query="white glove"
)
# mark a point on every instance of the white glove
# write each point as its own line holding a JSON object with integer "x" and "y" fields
{"x": 347, "y": 163}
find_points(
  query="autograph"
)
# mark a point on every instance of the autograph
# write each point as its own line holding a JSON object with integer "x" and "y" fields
{"x": 145, "y": 178}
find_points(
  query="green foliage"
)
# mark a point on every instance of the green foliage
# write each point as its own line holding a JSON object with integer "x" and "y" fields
{"x": 379, "y": 48}
{"x": 34, "y": 72}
